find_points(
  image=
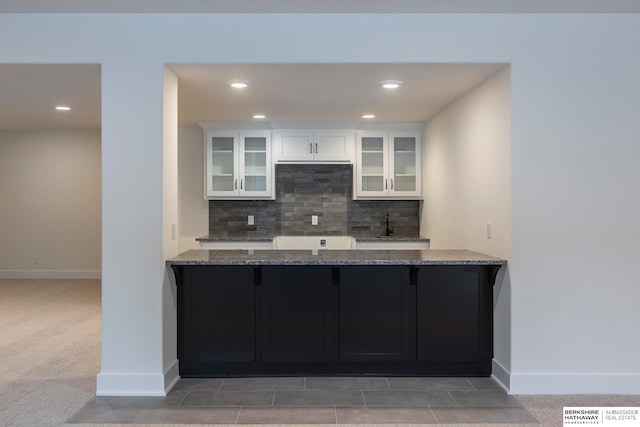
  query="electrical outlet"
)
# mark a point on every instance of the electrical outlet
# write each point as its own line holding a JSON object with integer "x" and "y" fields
{"x": 251, "y": 220}
{"x": 173, "y": 231}
{"x": 488, "y": 230}
{"x": 314, "y": 219}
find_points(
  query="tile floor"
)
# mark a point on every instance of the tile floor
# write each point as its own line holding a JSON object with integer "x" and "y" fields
{"x": 315, "y": 400}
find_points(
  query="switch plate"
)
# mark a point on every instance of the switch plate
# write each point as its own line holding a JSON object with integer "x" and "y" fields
{"x": 251, "y": 220}
{"x": 488, "y": 230}
{"x": 173, "y": 231}
{"x": 314, "y": 219}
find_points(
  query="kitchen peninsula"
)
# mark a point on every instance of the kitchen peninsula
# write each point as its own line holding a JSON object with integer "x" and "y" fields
{"x": 338, "y": 312}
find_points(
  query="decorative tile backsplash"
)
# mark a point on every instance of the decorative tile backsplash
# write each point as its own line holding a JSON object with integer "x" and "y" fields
{"x": 306, "y": 190}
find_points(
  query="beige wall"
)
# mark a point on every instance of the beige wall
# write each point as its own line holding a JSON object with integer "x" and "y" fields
{"x": 193, "y": 213}
{"x": 467, "y": 171}
{"x": 50, "y": 204}
{"x": 467, "y": 185}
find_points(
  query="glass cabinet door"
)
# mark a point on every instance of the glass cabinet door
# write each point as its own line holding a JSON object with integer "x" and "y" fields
{"x": 256, "y": 162}
{"x": 372, "y": 165}
{"x": 404, "y": 152}
{"x": 222, "y": 165}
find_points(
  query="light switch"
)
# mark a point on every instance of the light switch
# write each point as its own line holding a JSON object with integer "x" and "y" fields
{"x": 314, "y": 219}
{"x": 250, "y": 220}
{"x": 173, "y": 231}
{"x": 488, "y": 231}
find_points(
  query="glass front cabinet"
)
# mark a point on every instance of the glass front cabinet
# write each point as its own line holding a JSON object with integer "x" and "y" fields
{"x": 238, "y": 165}
{"x": 388, "y": 165}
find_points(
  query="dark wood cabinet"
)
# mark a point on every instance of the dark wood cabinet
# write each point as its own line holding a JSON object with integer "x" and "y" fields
{"x": 335, "y": 320}
{"x": 297, "y": 314}
{"x": 377, "y": 314}
{"x": 216, "y": 315}
{"x": 455, "y": 315}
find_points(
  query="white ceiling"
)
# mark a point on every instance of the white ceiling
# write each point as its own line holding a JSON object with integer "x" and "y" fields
{"x": 30, "y": 92}
{"x": 320, "y": 6}
{"x": 283, "y": 92}
{"x": 322, "y": 92}
{"x": 293, "y": 92}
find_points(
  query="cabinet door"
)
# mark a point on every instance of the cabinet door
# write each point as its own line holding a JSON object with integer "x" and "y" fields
{"x": 216, "y": 314}
{"x": 404, "y": 165}
{"x": 221, "y": 166}
{"x": 377, "y": 314}
{"x": 255, "y": 174}
{"x": 454, "y": 314}
{"x": 371, "y": 166}
{"x": 294, "y": 145}
{"x": 297, "y": 313}
{"x": 333, "y": 145}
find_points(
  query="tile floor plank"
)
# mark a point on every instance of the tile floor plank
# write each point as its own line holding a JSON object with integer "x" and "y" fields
{"x": 288, "y": 415}
{"x": 481, "y": 415}
{"x": 484, "y": 398}
{"x": 385, "y": 415}
{"x": 319, "y": 398}
{"x": 228, "y": 398}
{"x": 407, "y": 398}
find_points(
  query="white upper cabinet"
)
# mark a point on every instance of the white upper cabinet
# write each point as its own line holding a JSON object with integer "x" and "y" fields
{"x": 388, "y": 165}
{"x": 238, "y": 165}
{"x": 305, "y": 145}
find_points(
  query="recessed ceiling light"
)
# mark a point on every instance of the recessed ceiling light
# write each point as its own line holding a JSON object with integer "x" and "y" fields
{"x": 368, "y": 116}
{"x": 238, "y": 84}
{"x": 391, "y": 84}
{"x": 259, "y": 116}
{"x": 62, "y": 108}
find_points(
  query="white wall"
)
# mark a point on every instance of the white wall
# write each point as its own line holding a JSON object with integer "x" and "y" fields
{"x": 467, "y": 185}
{"x": 574, "y": 109}
{"x": 194, "y": 209}
{"x": 50, "y": 204}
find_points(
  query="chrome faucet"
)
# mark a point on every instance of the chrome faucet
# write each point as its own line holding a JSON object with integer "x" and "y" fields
{"x": 388, "y": 231}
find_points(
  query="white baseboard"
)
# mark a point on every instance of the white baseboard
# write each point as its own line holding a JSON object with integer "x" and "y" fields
{"x": 501, "y": 374}
{"x": 574, "y": 383}
{"x": 130, "y": 385}
{"x": 171, "y": 376}
{"x": 50, "y": 274}
{"x": 138, "y": 384}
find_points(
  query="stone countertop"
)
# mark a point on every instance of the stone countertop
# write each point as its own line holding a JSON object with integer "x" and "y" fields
{"x": 392, "y": 239}
{"x": 333, "y": 257}
{"x": 211, "y": 238}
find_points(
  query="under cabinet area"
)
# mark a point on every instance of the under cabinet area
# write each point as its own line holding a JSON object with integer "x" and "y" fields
{"x": 334, "y": 320}
{"x": 388, "y": 165}
{"x": 238, "y": 165}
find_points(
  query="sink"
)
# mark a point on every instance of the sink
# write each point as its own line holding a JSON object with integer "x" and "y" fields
{"x": 313, "y": 242}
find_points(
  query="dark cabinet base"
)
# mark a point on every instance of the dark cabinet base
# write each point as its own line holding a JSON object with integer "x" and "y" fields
{"x": 436, "y": 369}
{"x": 335, "y": 320}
